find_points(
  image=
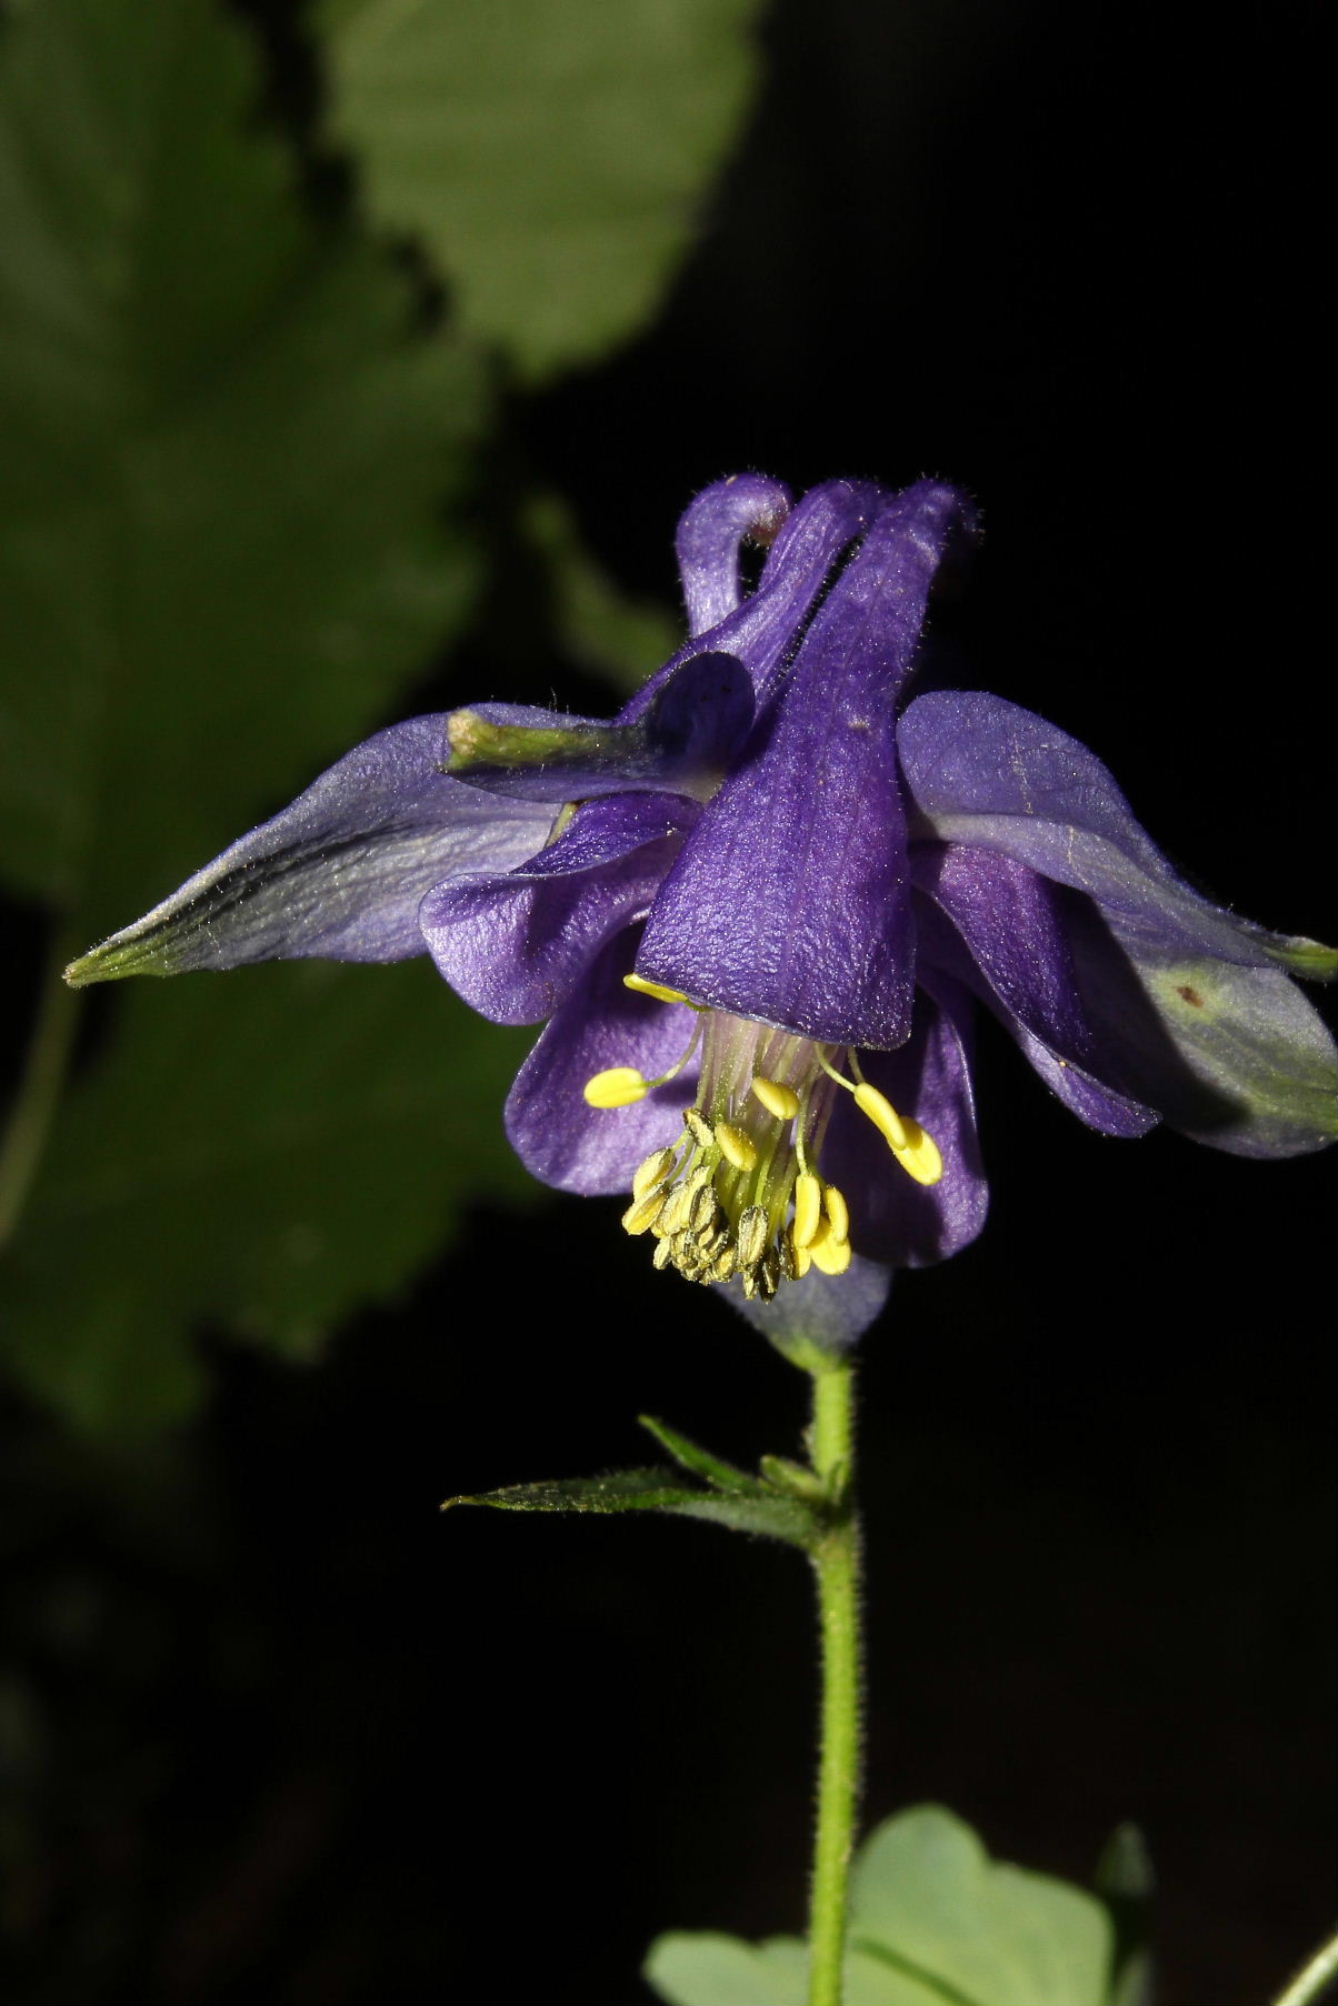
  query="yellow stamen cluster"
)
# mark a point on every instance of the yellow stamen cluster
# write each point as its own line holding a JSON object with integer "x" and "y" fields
{"x": 738, "y": 1194}
{"x": 688, "y": 1197}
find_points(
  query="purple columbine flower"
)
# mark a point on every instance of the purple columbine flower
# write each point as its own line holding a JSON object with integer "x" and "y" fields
{"x": 759, "y": 909}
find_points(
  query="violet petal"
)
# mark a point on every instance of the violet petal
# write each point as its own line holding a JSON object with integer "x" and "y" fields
{"x": 999, "y": 927}
{"x": 709, "y": 535}
{"x": 790, "y": 902}
{"x": 339, "y": 873}
{"x": 515, "y": 944}
{"x": 595, "y": 1151}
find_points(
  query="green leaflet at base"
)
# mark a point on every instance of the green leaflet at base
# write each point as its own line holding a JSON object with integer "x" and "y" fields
{"x": 934, "y": 1922}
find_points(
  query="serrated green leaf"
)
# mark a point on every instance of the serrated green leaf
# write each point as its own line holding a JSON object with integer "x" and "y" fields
{"x": 226, "y": 459}
{"x": 721, "y": 1475}
{"x": 653, "y": 1490}
{"x": 551, "y": 153}
{"x": 263, "y": 1151}
{"x": 926, "y": 1894}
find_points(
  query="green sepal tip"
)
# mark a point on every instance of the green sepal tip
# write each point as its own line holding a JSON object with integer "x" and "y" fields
{"x": 475, "y": 741}
{"x": 1310, "y": 959}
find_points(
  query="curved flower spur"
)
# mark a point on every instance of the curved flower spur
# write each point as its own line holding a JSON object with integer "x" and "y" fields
{"x": 759, "y": 908}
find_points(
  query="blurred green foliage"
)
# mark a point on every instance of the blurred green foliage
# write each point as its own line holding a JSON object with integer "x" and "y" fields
{"x": 226, "y": 461}
{"x": 565, "y": 180}
{"x": 266, "y": 1153}
{"x": 238, "y": 519}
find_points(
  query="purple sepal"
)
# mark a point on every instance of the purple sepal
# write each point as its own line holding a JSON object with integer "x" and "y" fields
{"x": 557, "y": 1136}
{"x": 892, "y": 1217}
{"x": 681, "y": 743}
{"x": 790, "y": 902}
{"x": 831, "y": 1312}
{"x": 709, "y": 535}
{"x": 514, "y": 945}
{"x": 339, "y": 873}
{"x": 983, "y": 771}
{"x": 999, "y": 928}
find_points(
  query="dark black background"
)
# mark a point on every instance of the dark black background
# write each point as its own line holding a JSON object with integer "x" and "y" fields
{"x": 316, "y": 1743}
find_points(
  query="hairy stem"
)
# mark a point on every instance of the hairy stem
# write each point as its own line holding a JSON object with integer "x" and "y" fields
{"x": 836, "y": 1560}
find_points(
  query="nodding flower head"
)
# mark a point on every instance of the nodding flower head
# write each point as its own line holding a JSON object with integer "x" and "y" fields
{"x": 758, "y": 910}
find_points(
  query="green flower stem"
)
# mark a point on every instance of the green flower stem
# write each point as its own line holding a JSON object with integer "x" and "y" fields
{"x": 1313, "y": 1980}
{"x": 836, "y": 1560}
{"x": 39, "y": 1091}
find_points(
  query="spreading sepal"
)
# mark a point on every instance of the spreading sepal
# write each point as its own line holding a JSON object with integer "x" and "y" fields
{"x": 339, "y": 874}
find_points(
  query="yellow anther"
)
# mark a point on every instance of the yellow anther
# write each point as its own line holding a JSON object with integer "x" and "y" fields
{"x": 655, "y": 989}
{"x": 803, "y": 1260}
{"x": 830, "y": 1255}
{"x": 920, "y": 1157}
{"x": 652, "y": 1172}
{"x": 734, "y": 1144}
{"x": 882, "y": 1114}
{"x": 779, "y": 1100}
{"x": 703, "y": 1209}
{"x": 838, "y": 1213}
{"x": 807, "y": 1207}
{"x": 699, "y": 1128}
{"x": 617, "y": 1086}
{"x": 751, "y": 1238}
{"x": 677, "y": 1206}
{"x": 642, "y": 1214}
